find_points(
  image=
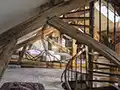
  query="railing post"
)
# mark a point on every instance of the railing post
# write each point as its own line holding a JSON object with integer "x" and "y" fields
{"x": 114, "y": 30}
{"x": 108, "y": 24}
{"x": 100, "y": 33}
{"x": 91, "y": 31}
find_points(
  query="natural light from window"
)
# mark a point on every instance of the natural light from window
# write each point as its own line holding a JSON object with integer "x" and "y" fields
{"x": 104, "y": 12}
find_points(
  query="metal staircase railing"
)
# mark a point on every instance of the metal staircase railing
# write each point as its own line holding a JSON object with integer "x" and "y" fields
{"x": 90, "y": 70}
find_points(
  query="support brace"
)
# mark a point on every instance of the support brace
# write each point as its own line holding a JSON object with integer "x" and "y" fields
{"x": 85, "y": 39}
{"x": 5, "y": 55}
{"x": 39, "y": 20}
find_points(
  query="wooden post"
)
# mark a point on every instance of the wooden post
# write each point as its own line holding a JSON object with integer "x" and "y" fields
{"x": 5, "y": 55}
{"x": 29, "y": 46}
{"x": 21, "y": 54}
{"x": 74, "y": 51}
{"x": 90, "y": 56}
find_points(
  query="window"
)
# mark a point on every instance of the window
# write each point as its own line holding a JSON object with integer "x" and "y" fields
{"x": 104, "y": 12}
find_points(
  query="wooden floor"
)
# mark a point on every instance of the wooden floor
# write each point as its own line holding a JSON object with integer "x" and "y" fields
{"x": 50, "y": 78}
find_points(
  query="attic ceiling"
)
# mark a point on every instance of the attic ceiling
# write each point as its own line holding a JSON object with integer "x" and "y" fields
{"x": 14, "y": 12}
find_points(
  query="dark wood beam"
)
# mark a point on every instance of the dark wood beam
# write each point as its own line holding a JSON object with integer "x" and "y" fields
{"x": 5, "y": 55}
{"x": 39, "y": 20}
{"x": 21, "y": 54}
{"x": 85, "y": 39}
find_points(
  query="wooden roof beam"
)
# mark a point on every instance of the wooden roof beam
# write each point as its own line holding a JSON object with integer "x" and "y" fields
{"x": 39, "y": 20}
{"x": 5, "y": 55}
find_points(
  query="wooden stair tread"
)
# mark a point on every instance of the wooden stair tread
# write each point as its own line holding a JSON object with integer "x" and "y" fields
{"x": 112, "y": 74}
{"x": 86, "y": 10}
{"x": 111, "y": 65}
{"x": 86, "y": 18}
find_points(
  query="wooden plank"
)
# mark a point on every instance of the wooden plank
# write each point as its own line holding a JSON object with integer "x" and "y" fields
{"x": 39, "y": 20}
{"x": 79, "y": 25}
{"x": 85, "y": 39}
{"x": 5, "y": 55}
{"x": 79, "y": 11}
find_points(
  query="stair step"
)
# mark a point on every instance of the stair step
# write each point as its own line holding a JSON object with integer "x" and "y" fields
{"x": 80, "y": 11}
{"x": 105, "y": 73}
{"x": 102, "y": 68}
{"x": 110, "y": 65}
{"x": 100, "y": 75}
{"x": 104, "y": 81}
{"x": 86, "y": 18}
{"x": 102, "y": 59}
{"x": 109, "y": 81}
{"x": 81, "y": 26}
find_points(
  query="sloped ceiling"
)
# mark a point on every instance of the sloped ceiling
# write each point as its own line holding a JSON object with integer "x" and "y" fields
{"x": 13, "y": 12}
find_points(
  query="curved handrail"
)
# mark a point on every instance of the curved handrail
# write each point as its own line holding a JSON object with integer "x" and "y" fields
{"x": 67, "y": 67}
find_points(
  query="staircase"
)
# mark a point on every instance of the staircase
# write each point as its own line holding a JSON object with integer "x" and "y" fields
{"x": 100, "y": 70}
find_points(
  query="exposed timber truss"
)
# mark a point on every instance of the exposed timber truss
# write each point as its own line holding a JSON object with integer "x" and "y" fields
{"x": 5, "y": 55}
{"x": 85, "y": 39}
{"x": 39, "y": 20}
{"x": 48, "y": 11}
{"x": 11, "y": 36}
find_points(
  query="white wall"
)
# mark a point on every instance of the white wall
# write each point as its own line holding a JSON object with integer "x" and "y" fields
{"x": 39, "y": 45}
{"x": 13, "y": 12}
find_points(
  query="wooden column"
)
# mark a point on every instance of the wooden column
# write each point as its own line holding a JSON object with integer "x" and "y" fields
{"x": 74, "y": 51}
{"x": 29, "y": 46}
{"x": 39, "y": 20}
{"x": 21, "y": 54}
{"x": 5, "y": 55}
{"x": 91, "y": 51}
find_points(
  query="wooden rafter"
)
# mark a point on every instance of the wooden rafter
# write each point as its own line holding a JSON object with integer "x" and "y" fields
{"x": 6, "y": 54}
{"x": 39, "y": 20}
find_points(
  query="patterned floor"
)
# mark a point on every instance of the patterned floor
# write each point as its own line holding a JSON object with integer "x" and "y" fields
{"x": 50, "y": 78}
